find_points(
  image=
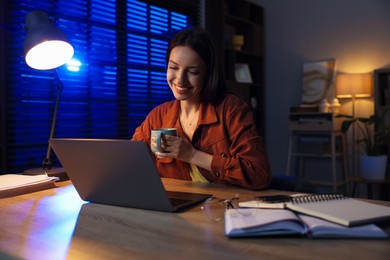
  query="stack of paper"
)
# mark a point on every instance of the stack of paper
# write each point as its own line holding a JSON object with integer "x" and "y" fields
{"x": 17, "y": 184}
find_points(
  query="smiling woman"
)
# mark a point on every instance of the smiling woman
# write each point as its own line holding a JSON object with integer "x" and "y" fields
{"x": 217, "y": 138}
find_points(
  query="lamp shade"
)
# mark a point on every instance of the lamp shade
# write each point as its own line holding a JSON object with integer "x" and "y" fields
{"x": 353, "y": 85}
{"x": 45, "y": 46}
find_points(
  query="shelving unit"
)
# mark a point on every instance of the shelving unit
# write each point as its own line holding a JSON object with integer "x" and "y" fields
{"x": 382, "y": 95}
{"x": 225, "y": 18}
{"x": 382, "y": 102}
{"x": 307, "y": 129}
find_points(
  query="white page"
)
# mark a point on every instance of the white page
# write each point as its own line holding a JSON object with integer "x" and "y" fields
{"x": 322, "y": 228}
{"x": 246, "y": 221}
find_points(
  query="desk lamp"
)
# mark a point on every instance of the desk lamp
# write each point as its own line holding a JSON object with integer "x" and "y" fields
{"x": 46, "y": 48}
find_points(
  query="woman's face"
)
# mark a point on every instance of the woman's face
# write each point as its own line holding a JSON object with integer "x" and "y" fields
{"x": 186, "y": 73}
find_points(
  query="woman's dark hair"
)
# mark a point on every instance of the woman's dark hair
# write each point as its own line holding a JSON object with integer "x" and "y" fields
{"x": 200, "y": 41}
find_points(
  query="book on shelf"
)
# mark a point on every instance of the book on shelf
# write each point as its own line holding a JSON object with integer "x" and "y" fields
{"x": 331, "y": 207}
{"x": 18, "y": 184}
{"x": 251, "y": 222}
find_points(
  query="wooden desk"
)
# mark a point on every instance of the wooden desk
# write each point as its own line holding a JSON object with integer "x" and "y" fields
{"x": 56, "y": 224}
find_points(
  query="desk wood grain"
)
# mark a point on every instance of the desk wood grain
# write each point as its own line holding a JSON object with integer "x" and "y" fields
{"x": 57, "y": 224}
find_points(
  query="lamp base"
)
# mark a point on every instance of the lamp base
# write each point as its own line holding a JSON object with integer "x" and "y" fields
{"x": 53, "y": 172}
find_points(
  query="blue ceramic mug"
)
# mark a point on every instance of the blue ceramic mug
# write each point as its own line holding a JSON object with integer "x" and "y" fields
{"x": 158, "y": 134}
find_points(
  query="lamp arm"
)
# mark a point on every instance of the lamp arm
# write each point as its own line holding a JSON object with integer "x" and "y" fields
{"x": 46, "y": 164}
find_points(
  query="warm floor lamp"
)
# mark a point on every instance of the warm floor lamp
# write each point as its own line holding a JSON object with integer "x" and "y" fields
{"x": 46, "y": 48}
{"x": 352, "y": 86}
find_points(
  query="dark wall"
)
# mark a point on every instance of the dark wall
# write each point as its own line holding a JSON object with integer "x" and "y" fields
{"x": 354, "y": 32}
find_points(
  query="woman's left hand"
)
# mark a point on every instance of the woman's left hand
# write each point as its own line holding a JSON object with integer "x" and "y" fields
{"x": 176, "y": 147}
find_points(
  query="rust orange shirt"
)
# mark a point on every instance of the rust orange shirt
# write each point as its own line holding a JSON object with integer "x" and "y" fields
{"x": 226, "y": 131}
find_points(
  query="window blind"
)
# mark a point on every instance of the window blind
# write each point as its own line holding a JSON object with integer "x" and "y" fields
{"x": 116, "y": 77}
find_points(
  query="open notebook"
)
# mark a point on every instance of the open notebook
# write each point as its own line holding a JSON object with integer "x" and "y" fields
{"x": 282, "y": 222}
{"x": 120, "y": 173}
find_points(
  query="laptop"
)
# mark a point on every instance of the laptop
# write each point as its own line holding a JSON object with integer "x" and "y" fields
{"x": 119, "y": 173}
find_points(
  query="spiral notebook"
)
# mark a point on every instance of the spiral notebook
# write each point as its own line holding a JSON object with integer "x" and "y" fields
{"x": 335, "y": 208}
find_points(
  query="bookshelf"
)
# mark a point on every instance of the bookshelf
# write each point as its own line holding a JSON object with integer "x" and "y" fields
{"x": 244, "y": 67}
{"x": 318, "y": 135}
{"x": 382, "y": 98}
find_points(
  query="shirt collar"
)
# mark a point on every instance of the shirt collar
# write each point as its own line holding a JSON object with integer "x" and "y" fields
{"x": 207, "y": 112}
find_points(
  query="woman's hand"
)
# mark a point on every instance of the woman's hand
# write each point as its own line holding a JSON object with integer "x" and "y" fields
{"x": 175, "y": 147}
{"x": 181, "y": 149}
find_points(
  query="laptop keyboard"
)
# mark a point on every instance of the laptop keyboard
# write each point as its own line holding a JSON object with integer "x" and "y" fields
{"x": 184, "y": 199}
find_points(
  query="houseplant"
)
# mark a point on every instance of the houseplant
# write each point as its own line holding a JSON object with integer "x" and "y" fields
{"x": 375, "y": 136}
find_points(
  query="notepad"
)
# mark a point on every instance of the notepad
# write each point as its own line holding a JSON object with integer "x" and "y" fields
{"x": 336, "y": 208}
{"x": 283, "y": 222}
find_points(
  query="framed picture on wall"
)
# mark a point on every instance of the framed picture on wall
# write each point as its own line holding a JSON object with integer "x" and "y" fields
{"x": 242, "y": 73}
{"x": 318, "y": 81}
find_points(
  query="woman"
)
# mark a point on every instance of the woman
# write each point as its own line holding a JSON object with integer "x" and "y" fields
{"x": 217, "y": 139}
